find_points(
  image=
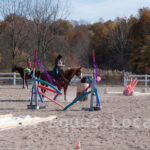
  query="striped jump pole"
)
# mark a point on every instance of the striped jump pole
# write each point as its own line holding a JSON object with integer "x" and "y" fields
{"x": 42, "y": 81}
{"x": 77, "y": 99}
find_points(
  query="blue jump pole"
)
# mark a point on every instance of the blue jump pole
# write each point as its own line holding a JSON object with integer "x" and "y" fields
{"x": 40, "y": 97}
{"x": 77, "y": 99}
{"x": 36, "y": 95}
{"x": 97, "y": 97}
{"x": 32, "y": 95}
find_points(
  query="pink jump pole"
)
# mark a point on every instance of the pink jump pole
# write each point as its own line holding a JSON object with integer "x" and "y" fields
{"x": 93, "y": 55}
{"x": 132, "y": 83}
{"x": 51, "y": 99}
{"x": 48, "y": 89}
{"x": 133, "y": 86}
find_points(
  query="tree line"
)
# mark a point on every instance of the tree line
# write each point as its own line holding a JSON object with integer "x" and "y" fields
{"x": 122, "y": 44}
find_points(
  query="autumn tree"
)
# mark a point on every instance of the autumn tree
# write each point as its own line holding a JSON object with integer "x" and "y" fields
{"x": 119, "y": 42}
{"x": 141, "y": 33}
{"x": 100, "y": 35}
{"x": 80, "y": 44}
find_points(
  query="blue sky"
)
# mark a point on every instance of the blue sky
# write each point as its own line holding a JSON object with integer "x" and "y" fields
{"x": 92, "y": 10}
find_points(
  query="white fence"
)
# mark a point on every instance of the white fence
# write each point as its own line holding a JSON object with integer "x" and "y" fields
{"x": 141, "y": 78}
{"x": 10, "y": 76}
{"x": 14, "y": 77}
{"x": 75, "y": 80}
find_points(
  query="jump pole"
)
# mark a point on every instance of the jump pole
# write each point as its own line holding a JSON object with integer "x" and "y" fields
{"x": 94, "y": 91}
{"x": 77, "y": 99}
{"x": 35, "y": 84}
{"x": 69, "y": 105}
{"x": 51, "y": 99}
{"x": 35, "y": 90}
{"x": 36, "y": 96}
{"x": 42, "y": 81}
{"x": 34, "y": 93}
{"x": 140, "y": 94}
{"x": 48, "y": 89}
{"x": 133, "y": 86}
{"x": 25, "y": 122}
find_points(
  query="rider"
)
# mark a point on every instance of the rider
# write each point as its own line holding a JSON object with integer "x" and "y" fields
{"x": 59, "y": 67}
{"x": 29, "y": 64}
{"x": 29, "y": 68}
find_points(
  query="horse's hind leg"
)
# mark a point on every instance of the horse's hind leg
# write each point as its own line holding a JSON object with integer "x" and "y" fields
{"x": 43, "y": 90}
{"x": 26, "y": 83}
{"x": 57, "y": 94}
{"x": 23, "y": 82}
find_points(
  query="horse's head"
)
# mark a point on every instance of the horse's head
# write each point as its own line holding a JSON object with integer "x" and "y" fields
{"x": 69, "y": 74}
{"x": 14, "y": 68}
{"x": 78, "y": 72}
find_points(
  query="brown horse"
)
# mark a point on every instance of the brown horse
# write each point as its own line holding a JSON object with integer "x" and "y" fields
{"x": 20, "y": 70}
{"x": 60, "y": 83}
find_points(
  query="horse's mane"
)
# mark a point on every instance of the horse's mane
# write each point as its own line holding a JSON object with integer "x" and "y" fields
{"x": 18, "y": 67}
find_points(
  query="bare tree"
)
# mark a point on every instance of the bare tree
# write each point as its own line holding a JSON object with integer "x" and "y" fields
{"x": 44, "y": 15}
{"x": 119, "y": 39}
{"x": 33, "y": 20}
{"x": 15, "y": 12}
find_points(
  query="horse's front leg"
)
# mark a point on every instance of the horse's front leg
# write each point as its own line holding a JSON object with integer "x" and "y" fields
{"x": 23, "y": 82}
{"x": 55, "y": 97}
